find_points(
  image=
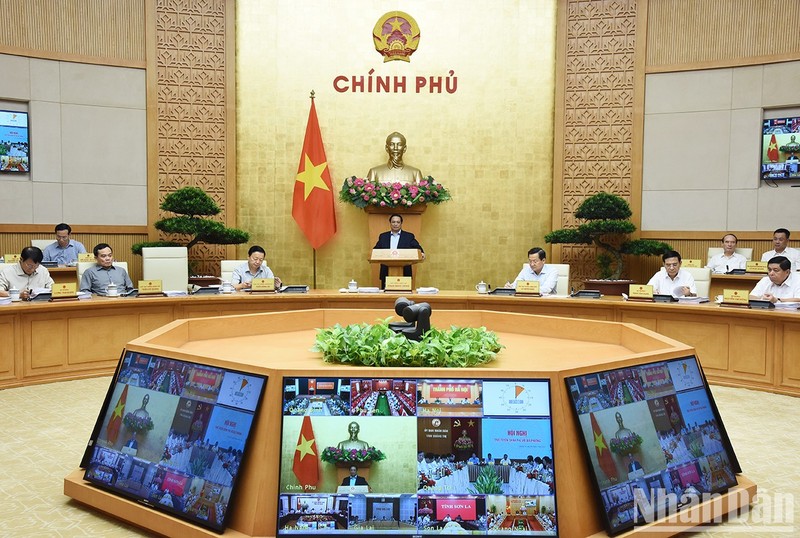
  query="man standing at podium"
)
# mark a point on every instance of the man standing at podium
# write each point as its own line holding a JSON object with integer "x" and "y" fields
{"x": 394, "y": 239}
{"x": 354, "y": 479}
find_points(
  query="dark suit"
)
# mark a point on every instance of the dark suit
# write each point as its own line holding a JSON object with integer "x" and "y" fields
{"x": 407, "y": 240}
{"x": 360, "y": 481}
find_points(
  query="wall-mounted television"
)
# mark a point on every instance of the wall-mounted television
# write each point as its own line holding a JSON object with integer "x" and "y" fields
{"x": 430, "y": 456}
{"x": 14, "y": 142}
{"x": 173, "y": 435}
{"x": 780, "y": 148}
{"x": 654, "y": 440}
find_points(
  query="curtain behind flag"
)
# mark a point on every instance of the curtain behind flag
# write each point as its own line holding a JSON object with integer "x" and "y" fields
{"x": 312, "y": 204}
{"x": 306, "y": 457}
{"x": 604, "y": 458}
{"x": 115, "y": 422}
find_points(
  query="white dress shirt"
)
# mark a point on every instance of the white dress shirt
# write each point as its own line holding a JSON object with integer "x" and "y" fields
{"x": 791, "y": 253}
{"x": 788, "y": 289}
{"x": 664, "y": 285}
{"x": 547, "y": 278}
{"x": 720, "y": 263}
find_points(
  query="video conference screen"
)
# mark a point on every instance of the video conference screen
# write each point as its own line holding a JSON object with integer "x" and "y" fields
{"x": 654, "y": 439}
{"x": 415, "y": 456}
{"x": 173, "y": 435}
{"x": 14, "y": 142}
{"x": 780, "y": 149}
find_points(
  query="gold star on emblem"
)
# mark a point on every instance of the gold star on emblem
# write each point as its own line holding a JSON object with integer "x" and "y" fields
{"x": 304, "y": 447}
{"x": 599, "y": 442}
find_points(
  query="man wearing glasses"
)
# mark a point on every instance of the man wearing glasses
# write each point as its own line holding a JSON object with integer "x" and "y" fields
{"x": 672, "y": 280}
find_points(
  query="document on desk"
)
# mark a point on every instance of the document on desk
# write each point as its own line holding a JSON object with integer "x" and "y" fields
{"x": 692, "y": 300}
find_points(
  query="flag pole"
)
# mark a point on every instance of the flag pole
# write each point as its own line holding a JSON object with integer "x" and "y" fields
{"x": 313, "y": 250}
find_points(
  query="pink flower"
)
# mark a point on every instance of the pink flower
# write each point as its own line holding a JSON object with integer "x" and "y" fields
{"x": 383, "y": 203}
{"x": 366, "y": 197}
{"x": 369, "y": 187}
{"x": 423, "y": 183}
{"x": 421, "y": 198}
{"x": 359, "y": 182}
{"x": 395, "y": 195}
{"x": 413, "y": 190}
{"x": 397, "y": 186}
{"x": 352, "y": 191}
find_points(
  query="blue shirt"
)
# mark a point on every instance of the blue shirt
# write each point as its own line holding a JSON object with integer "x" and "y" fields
{"x": 63, "y": 256}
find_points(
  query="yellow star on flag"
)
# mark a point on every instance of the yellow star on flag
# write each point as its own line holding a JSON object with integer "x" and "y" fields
{"x": 311, "y": 177}
{"x": 118, "y": 410}
{"x": 304, "y": 447}
{"x": 599, "y": 442}
{"x": 772, "y": 145}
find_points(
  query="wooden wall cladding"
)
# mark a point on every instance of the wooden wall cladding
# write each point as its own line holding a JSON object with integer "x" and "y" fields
{"x": 191, "y": 78}
{"x": 108, "y": 32}
{"x": 720, "y": 33}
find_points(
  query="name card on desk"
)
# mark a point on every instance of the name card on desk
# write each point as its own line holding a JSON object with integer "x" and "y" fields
{"x": 150, "y": 286}
{"x": 11, "y": 258}
{"x": 691, "y": 263}
{"x": 262, "y": 284}
{"x": 398, "y": 283}
{"x": 741, "y": 297}
{"x": 641, "y": 292}
{"x": 528, "y": 287}
{"x": 64, "y": 290}
{"x": 85, "y": 257}
{"x": 756, "y": 267}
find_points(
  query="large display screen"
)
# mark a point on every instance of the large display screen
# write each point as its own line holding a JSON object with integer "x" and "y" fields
{"x": 780, "y": 149}
{"x": 14, "y": 141}
{"x": 654, "y": 439}
{"x": 415, "y": 456}
{"x": 173, "y": 435}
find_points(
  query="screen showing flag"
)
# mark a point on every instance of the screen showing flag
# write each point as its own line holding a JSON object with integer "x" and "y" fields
{"x": 173, "y": 435}
{"x": 780, "y": 148}
{"x": 411, "y": 456}
{"x": 652, "y": 435}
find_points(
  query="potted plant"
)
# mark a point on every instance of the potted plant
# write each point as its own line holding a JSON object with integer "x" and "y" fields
{"x": 607, "y": 226}
{"x": 192, "y": 207}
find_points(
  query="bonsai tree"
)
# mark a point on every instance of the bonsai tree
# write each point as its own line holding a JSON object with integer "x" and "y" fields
{"x": 607, "y": 226}
{"x": 192, "y": 205}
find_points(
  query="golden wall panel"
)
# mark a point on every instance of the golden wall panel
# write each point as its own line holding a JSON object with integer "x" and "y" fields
{"x": 490, "y": 142}
{"x": 193, "y": 94}
{"x": 594, "y": 132}
{"x": 8, "y": 350}
{"x": 46, "y": 348}
{"x": 110, "y": 32}
{"x": 114, "y": 328}
{"x": 720, "y": 33}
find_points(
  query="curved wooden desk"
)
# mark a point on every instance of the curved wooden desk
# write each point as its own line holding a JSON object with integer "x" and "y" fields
{"x": 53, "y": 341}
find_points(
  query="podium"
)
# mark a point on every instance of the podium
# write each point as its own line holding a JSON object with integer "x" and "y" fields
{"x": 353, "y": 490}
{"x": 396, "y": 259}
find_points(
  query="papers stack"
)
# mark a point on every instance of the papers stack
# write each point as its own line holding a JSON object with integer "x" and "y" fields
{"x": 369, "y": 290}
{"x": 176, "y": 293}
{"x": 5, "y": 300}
{"x": 787, "y": 306}
{"x": 427, "y": 291}
{"x": 692, "y": 300}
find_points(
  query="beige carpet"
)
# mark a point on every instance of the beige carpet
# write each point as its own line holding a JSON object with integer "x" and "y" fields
{"x": 45, "y": 427}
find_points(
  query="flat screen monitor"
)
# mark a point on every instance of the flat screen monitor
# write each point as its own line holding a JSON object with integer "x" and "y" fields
{"x": 173, "y": 435}
{"x": 654, "y": 440}
{"x": 363, "y": 456}
{"x": 14, "y": 142}
{"x": 780, "y": 149}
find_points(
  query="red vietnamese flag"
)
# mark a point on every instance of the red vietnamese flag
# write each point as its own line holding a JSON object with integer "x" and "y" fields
{"x": 115, "y": 422}
{"x": 603, "y": 453}
{"x": 312, "y": 205}
{"x": 306, "y": 459}
{"x": 772, "y": 150}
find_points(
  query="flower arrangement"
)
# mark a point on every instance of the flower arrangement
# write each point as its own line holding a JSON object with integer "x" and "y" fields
{"x": 533, "y": 475}
{"x": 137, "y": 424}
{"x": 459, "y": 466}
{"x": 464, "y": 443}
{"x": 425, "y": 482}
{"x": 362, "y": 192}
{"x": 624, "y": 445}
{"x": 354, "y": 455}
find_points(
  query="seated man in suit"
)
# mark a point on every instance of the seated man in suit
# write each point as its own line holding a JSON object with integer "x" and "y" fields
{"x": 728, "y": 259}
{"x": 396, "y": 238}
{"x": 671, "y": 279}
{"x": 780, "y": 284}
{"x": 538, "y": 271}
{"x": 97, "y": 278}
{"x": 353, "y": 479}
{"x": 64, "y": 250}
{"x": 26, "y": 275}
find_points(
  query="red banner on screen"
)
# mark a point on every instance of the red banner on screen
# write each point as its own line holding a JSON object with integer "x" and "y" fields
{"x": 464, "y": 507}
{"x": 450, "y": 390}
{"x": 325, "y": 385}
{"x": 174, "y": 483}
{"x": 382, "y": 384}
{"x": 688, "y": 474}
{"x": 208, "y": 378}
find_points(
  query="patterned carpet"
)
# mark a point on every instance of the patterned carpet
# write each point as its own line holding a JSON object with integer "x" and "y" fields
{"x": 45, "y": 428}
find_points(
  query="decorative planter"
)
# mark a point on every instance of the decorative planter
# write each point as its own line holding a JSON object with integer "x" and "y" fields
{"x": 608, "y": 287}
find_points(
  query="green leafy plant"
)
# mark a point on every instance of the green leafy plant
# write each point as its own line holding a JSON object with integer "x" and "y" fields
{"x": 607, "y": 227}
{"x": 192, "y": 206}
{"x": 377, "y": 345}
{"x": 488, "y": 482}
{"x": 332, "y": 454}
